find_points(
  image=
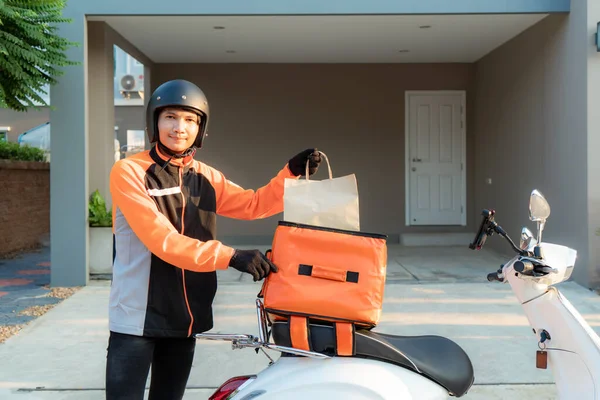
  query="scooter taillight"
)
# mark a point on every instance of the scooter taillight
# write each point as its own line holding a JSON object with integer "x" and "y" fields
{"x": 231, "y": 387}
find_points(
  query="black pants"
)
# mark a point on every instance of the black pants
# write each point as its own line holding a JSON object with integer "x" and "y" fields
{"x": 128, "y": 363}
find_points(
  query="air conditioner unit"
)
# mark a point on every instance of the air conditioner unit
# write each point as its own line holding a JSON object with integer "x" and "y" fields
{"x": 130, "y": 83}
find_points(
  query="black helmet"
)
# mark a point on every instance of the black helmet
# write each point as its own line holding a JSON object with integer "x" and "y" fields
{"x": 181, "y": 94}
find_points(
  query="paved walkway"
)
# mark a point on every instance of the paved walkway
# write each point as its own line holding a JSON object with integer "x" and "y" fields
{"x": 24, "y": 282}
{"x": 442, "y": 291}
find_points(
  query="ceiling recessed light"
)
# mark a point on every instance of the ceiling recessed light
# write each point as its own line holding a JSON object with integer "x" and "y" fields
{"x": 425, "y": 26}
{"x": 218, "y": 27}
{"x": 403, "y": 51}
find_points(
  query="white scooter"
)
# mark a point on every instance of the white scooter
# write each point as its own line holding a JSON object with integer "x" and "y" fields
{"x": 431, "y": 367}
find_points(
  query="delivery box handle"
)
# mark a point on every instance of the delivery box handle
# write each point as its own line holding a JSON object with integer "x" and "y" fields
{"x": 328, "y": 166}
{"x": 323, "y": 272}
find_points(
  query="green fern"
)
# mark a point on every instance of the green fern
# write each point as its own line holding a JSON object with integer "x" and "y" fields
{"x": 31, "y": 52}
{"x": 99, "y": 214}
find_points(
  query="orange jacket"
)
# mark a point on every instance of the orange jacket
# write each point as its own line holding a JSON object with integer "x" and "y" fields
{"x": 164, "y": 220}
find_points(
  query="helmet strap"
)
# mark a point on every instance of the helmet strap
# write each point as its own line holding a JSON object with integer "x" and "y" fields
{"x": 191, "y": 151}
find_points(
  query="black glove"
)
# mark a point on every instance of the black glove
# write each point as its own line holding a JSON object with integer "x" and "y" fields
{"x": 297, "y": 164}
{"x": 252, "y": 262}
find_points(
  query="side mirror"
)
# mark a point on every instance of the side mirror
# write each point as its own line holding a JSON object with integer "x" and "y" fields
{"x": 526, "y": 238}
{"x": 539, "y": 211}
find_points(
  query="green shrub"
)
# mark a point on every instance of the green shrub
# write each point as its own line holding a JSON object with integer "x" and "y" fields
{"x": 14, "y": 151}
{"x": 98, "y": 214}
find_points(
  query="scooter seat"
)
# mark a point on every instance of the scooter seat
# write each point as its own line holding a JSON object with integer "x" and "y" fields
{"x": 437, "y": 358}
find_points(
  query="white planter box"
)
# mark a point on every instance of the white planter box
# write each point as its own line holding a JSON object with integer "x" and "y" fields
{"x": 101, "y": 250}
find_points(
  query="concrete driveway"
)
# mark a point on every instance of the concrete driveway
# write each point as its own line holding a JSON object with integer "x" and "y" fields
{"x": 440, "y": 291}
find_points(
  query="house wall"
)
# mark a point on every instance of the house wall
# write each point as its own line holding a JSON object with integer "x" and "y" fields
{"x": 101, "y": 41}
{"x": 70, "y": 175}
{"x": 129, "y": 118}
{"x": 593, "y": 142}
{"x": 24, "y": 199}
{"x": 291, "y": 7}
{"x": 531, "y": 124}
{"x": 80, "y": 98}
{"x": 263, "y": 114}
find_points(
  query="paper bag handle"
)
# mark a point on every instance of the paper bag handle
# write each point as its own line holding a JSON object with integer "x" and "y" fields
{"x": 328, "y": 166}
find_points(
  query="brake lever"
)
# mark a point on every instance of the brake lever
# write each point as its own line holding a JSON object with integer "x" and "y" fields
{"x": 547, "y": 270}
{"x": 530, "y": 266}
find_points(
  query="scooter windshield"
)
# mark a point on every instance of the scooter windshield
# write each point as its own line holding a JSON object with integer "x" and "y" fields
{"x": 561, "y": 258}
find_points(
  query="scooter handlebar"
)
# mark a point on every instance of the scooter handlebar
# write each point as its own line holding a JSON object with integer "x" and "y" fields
{"x": 494, "y": 277}
{"x": 523, "y": 267}
{"x": 527, "y": 267}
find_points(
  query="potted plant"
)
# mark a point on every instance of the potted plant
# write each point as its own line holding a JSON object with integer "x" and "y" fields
{"x": 101, "y": 236}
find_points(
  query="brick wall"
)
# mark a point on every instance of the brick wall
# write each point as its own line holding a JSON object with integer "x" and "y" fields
{"x": 24, "y": 204}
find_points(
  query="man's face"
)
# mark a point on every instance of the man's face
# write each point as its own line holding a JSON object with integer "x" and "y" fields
{"x": 178, "y": 129}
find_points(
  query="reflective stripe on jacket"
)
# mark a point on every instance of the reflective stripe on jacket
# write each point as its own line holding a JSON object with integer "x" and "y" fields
{"x": 164, "y": 220}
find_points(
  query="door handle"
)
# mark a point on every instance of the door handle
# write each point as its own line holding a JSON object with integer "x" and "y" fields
{"x": 416, "y": 160}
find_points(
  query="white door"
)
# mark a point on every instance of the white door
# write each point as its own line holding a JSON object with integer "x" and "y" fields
{"x": 435, "y": 158}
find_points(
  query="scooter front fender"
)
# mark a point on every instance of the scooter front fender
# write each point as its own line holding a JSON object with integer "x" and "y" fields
{"x": 295, "y": 378}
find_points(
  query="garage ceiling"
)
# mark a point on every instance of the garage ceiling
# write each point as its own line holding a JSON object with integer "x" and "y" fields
{"x": 319, "y": 39}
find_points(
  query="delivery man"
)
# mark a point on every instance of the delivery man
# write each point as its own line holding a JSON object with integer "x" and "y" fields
{"x": 165, "y": 205}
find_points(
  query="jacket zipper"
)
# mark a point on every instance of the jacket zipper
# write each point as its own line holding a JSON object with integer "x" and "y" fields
{"x": 183, "y": 271}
